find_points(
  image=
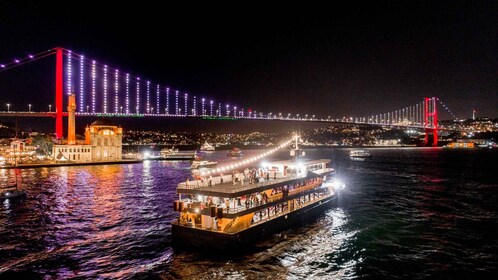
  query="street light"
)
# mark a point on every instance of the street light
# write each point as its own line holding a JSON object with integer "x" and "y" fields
{"x": 29, "y": 107}
{"x": 50, "y": 107}
{"x": 8, "y": 107}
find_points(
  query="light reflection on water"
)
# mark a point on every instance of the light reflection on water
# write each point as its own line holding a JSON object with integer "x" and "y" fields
{"x": 405, "y": 213}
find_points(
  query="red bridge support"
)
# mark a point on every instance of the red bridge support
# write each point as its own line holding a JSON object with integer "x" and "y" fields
{"x": 58, "y": 93}
{"x": 430, "y": 120}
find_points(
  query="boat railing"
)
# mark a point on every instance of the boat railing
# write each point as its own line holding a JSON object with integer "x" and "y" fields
{"x": 227, "y": 179}
{"x": 238, "y": 205}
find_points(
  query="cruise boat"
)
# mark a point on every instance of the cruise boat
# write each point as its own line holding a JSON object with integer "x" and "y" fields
{"x": 235, "y": 152}
{"x": 174, "y": 154}
{"x": 207, "y": 147}
{"x": 359, "y": 154}
{"x": 233, "y": 211}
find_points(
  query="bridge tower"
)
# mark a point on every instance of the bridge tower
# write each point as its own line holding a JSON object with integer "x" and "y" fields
{"x": 58, "y": 93}
{"x": 430, "y": 120}
{"x": 71, "y": 120}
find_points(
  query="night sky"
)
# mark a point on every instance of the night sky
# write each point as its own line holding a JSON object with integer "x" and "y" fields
{"x": 340, "y": 61}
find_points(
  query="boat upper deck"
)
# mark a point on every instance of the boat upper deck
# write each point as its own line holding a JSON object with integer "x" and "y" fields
{"x": 224, "y": 186}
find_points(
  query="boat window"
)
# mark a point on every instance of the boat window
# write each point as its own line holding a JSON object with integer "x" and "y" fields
{"x": 285, "y": 206}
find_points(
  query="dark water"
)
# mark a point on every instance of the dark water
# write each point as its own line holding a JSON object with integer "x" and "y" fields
{"x": 405, "y": 214}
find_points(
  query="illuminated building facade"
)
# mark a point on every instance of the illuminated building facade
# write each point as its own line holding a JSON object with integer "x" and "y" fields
{"x": 103, "y": 141}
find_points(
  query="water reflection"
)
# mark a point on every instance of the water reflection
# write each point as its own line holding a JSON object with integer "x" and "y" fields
{"x": 406, "y": 213}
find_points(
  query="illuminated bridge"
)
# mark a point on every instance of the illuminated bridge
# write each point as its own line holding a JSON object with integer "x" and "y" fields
{"x": 102, "y": 90}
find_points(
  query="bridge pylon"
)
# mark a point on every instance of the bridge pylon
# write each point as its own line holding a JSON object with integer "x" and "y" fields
{"x": 58, "y": 92}
{"x": 430, "y": 120}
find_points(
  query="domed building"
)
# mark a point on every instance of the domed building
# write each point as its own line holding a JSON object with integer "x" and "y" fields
{"x": 103, "y": 141}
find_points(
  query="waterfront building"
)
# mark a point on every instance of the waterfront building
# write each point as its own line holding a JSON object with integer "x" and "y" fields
{"x": 103, "y": 140}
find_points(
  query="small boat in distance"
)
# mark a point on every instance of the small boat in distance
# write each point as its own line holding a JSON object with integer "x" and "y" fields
{"x": 359, "y": 154}
{"x": 207, "y": 147}
{"x": 12, "y": 191}
{"x": 235, "y": 152}
{"x": 200, "y": 162}
{"x": 174, "y": 154}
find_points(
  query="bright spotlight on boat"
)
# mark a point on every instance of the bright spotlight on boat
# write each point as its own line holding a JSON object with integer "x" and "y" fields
{"x": 338, "y": 185}
{"x": 146, "y": 155}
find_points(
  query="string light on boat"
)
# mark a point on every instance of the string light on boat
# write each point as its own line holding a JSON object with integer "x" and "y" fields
{"x": 195, "y": 106}
{"x": 247, "y": 161}
{"x": 82, "y": 90}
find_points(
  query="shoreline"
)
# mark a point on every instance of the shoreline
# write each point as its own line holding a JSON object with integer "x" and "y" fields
{"x": 36, "y": 165}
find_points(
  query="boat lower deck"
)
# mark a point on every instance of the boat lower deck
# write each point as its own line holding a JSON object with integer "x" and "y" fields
{"x": 190, "y": 235}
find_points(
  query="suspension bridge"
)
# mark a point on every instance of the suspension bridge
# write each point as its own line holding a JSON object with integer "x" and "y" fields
{"x": 105, "y": 91}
